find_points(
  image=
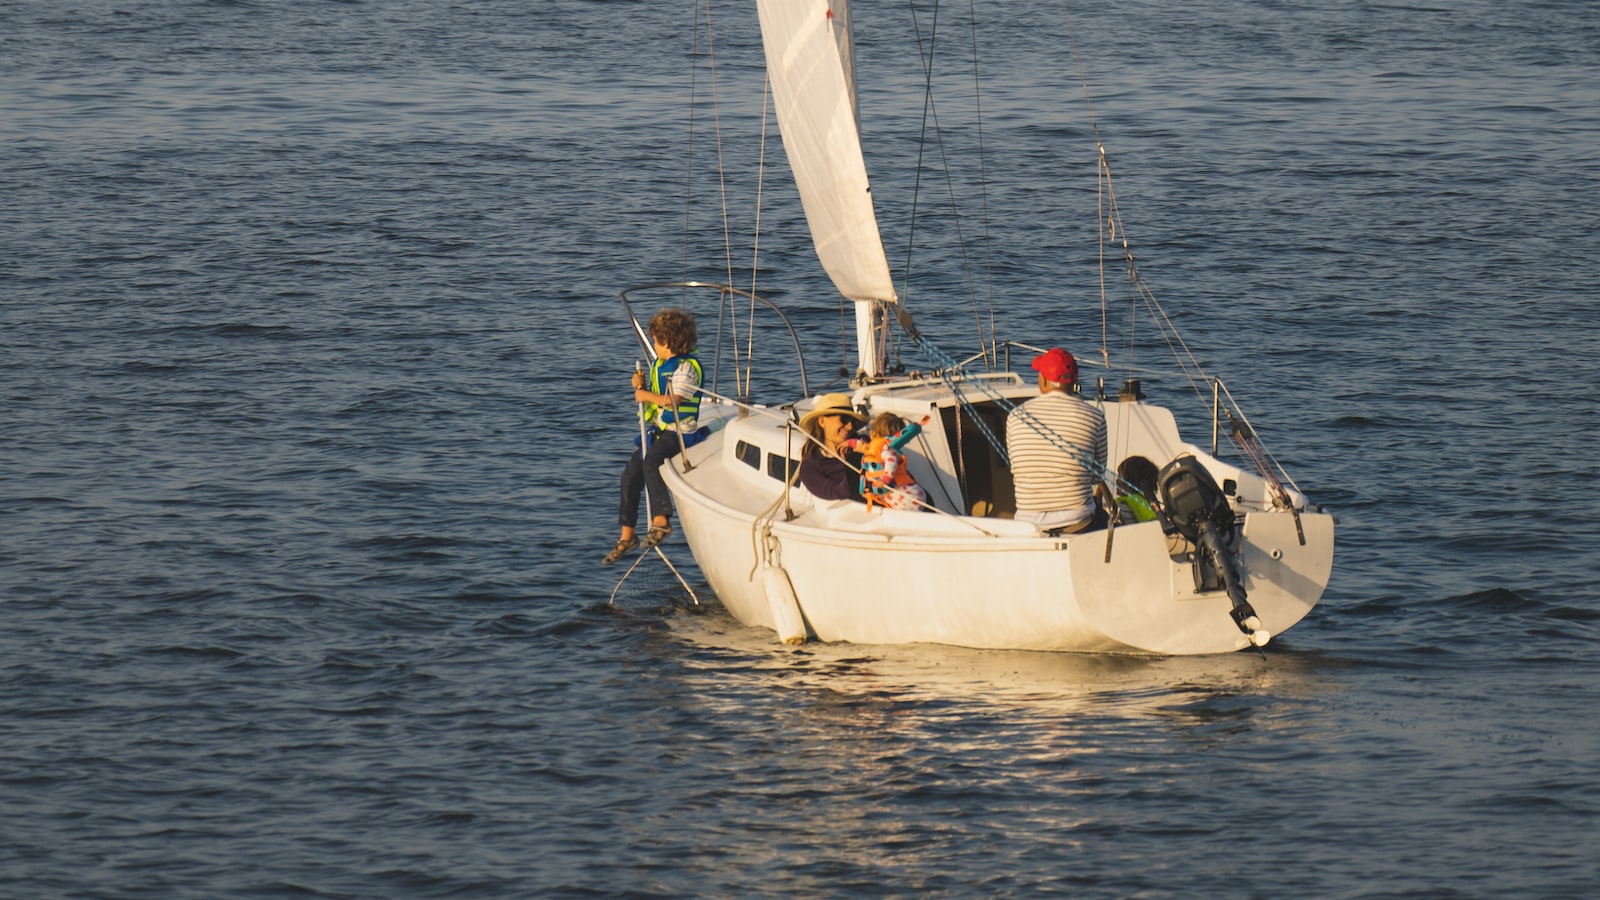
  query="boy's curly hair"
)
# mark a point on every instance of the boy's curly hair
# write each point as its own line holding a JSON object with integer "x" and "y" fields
{"x": 676, "y": 329}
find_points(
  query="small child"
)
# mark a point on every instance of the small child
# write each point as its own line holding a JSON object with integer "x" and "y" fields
{"x": 669, "y": 401}
{"x": 1138, "y": 504}
{"x": 884, "y": 478}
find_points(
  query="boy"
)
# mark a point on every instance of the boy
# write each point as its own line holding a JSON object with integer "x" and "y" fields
{"x": 669, "y": 395}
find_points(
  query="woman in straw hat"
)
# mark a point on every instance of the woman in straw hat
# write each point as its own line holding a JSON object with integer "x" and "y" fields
{"x": 827, "y": 470}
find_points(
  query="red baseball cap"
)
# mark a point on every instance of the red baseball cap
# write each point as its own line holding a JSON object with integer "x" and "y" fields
{"x": 1057, "y": 365}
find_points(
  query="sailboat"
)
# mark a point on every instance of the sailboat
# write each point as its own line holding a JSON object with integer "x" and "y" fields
{"x": 1237, "y": 555}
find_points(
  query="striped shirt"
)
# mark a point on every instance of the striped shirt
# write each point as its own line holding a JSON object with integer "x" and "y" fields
{"x": 1048, "y": 478}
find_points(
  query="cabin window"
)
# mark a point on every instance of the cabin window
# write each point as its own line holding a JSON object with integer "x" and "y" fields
{"x": 749, "y": 454}
{"x": 780, "y": 467}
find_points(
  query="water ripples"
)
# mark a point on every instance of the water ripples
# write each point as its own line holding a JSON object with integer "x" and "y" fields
{"x": 308, "y": 356}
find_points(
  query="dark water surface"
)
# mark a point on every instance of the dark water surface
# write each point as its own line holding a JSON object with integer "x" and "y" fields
{"x": 313, "y": 385}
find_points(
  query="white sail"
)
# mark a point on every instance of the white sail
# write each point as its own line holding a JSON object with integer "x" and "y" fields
{"x": 813, "y": 87}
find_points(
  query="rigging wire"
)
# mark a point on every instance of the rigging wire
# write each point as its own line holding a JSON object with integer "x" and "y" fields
{"x": 983, "y": 190}
{"x": 948, "y": 368}
{"x": 930, "y": 111}
{"x": 1109, "y": 215}
{"x": 755, "y": 244}
{"x": 688, "y": 198}
{"x": 688, "y": 181}
{"x": 922, "y": 143}
{"x": 844, "y": 341}
{"x": 1105, "y": 199}
{"x": 722, "y": 187}
{"x": 1111, "y": 230}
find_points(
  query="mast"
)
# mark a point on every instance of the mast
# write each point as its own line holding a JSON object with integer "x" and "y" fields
{"x": 811, "y": 62}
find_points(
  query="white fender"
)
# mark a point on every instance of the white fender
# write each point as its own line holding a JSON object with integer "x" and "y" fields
{"x": 786, "y": 618}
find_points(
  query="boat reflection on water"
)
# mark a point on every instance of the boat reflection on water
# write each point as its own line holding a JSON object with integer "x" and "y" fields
{"x": 892, "y": 764}
{"x": 930, "y": 681}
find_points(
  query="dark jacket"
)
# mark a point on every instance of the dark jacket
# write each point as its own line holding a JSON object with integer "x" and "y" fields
{"x": 828, "y": 478}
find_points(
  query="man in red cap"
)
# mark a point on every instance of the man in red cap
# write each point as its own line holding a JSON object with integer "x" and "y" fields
{"x": 1052, "y": 440}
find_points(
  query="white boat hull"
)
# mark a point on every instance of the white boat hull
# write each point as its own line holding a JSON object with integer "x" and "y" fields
{"x": 896, "y": 577}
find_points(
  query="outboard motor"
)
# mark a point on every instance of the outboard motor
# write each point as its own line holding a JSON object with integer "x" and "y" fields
{"x": 1194, "y": 507}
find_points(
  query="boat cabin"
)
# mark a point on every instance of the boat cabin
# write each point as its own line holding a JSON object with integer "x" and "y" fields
{"x": 954, "y": 459}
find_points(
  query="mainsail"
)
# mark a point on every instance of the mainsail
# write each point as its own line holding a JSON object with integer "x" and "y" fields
{"x": 810, "y": 63}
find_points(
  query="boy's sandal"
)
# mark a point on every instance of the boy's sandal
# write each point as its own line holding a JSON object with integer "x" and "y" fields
{"x": 620, "y": 550}
{"x": 656, "y": 535}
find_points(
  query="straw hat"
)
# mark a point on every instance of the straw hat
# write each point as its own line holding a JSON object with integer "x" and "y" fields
{"x": 831, "y": 405}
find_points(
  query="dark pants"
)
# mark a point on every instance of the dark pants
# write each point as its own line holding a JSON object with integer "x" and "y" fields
{"x": 644, "y": 474}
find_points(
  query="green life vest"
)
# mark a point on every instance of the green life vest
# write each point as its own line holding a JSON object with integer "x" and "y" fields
{"x": 661, "y": 373}
{"x": 1140, "y": 507}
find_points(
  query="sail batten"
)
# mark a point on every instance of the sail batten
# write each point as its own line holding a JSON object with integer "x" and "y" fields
{"x": 810, "y": 62}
